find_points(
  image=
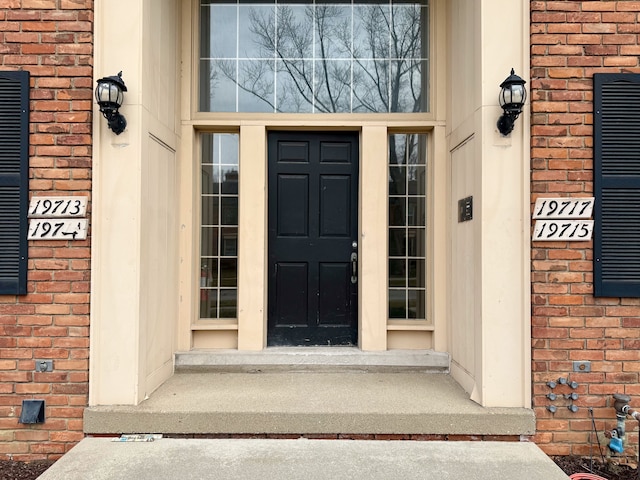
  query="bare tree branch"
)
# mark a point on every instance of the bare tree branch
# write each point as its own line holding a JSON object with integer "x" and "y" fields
{"x": 373, "y": 66}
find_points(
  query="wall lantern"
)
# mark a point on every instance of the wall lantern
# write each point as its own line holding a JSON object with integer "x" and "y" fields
{"x": 109, "y": 95}
{"x": 511, "y": 98}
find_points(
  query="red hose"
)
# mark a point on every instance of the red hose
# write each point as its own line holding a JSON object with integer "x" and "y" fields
{"x": 586, "y": 476}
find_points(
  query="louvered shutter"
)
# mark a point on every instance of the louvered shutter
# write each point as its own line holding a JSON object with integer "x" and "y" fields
{"x": 617, "y": 185}
{"x": 14, "y": 181}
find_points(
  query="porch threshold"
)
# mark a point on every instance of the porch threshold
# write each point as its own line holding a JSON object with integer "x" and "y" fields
{"x": 317, "y": 359}
{"x": 310, "y": 403}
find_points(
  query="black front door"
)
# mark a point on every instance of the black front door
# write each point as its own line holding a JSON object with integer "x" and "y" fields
{"x": 313, "y": 227}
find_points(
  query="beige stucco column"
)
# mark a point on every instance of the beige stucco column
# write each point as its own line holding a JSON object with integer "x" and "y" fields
{"x": 252, "y": 251}
{"x": 372, "y": 324}
{"x": 134, "y": 204}
{"x": 506, "y": 338}
{"x": 490, "y": 303}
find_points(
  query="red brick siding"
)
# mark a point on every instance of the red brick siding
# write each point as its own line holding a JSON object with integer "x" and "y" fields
{"x": 53, "y": 40}
{"x": 570, "y": 41}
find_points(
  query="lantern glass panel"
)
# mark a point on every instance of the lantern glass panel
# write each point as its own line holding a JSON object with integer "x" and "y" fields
{"x": 109, "y": 93}
{"x": 505, "y": 96}
{"x": 517, "y": 94}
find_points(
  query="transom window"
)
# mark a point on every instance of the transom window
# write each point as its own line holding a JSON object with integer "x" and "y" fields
{"x": 313, "y": 57}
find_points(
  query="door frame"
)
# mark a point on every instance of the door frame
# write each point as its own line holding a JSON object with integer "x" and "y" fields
{"x": 248, "y": 332}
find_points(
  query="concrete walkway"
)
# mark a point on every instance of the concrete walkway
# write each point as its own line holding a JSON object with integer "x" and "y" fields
{"x": 177, "y": 459}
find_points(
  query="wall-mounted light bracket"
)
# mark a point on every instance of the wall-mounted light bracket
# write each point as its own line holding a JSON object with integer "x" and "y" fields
{"x": 512, "y": 97}
{"x": 110, "y": 95}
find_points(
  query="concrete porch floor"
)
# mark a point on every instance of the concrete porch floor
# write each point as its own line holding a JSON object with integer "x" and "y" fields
{"x": 366, "y": 400}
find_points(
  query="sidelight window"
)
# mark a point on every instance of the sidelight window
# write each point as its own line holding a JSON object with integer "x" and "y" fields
{"x": 313, "y": 57}
{"x": 219, "y": 226}
{"x": 407, "y": 226}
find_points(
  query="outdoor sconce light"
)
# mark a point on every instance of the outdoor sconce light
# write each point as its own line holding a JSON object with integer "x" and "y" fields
{"x": 511, "y": 98}
{"x": 109, "y": 95}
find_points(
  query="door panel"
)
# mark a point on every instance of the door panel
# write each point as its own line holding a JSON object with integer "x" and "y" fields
{"x": 334, "y": 152}
{"x": 313, "y": 224}
{"x": 293, "y": 201}
{"x": 335, "y": 214}
{"x": 335, "y": 280}
{"x": 291, "y": 281}
{"x": 292, "y": 151}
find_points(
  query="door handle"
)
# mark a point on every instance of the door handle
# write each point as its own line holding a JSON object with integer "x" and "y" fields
{"x": 354, "y": 267}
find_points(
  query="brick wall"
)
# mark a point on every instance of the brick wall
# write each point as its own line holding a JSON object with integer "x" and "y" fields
{"x": 53, "y": 40}
{"x": 570, "y": 41}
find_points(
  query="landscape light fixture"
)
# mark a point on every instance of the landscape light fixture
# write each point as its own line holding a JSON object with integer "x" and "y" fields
{"x": 511, "y": 98}
{"x": 109, "y": 95}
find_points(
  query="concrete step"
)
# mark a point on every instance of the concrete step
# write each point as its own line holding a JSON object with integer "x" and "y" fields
{"x": 102, "y": 459}
{"x": 366, "y": 403}
{"x": 317, "y": 359}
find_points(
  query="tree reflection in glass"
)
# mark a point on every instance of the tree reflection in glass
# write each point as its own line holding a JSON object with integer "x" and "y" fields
{"x": 219, "y": 225}
{"x": 407, "y": 226}
{"x": 323, "y": 58}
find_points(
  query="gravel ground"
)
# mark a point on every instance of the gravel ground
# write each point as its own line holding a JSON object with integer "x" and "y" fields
{"x": 21, "y": 470}
{"x": 610, "y": 470}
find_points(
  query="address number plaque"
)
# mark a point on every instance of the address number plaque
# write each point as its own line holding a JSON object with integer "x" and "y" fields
{"x": 58, "y": 207}
{"x": 563, "y": 219}
{"x": 57, "y": 218}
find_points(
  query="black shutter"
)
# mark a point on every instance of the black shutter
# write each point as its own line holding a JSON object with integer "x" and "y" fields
{"x": 617, "y": 185}
{"x": 14, "y": 181}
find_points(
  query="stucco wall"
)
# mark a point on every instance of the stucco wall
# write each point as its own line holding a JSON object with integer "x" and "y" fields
{"x": 135, "y": 256}
{"x": 488, "y": 256}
